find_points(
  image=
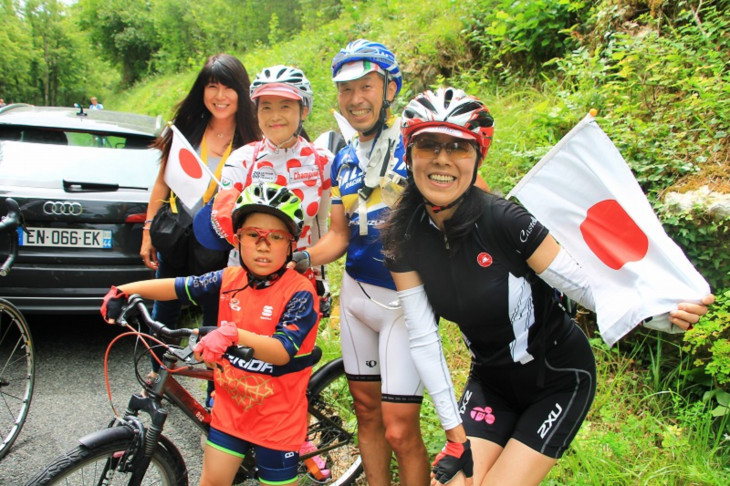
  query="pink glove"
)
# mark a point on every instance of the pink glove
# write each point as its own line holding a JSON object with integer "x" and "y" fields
{"x": 215, "y": 343}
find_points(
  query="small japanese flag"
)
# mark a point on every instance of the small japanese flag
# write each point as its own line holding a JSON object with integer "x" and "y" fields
{"x": 185, "y": 173}
{"x": 585, "y": 194}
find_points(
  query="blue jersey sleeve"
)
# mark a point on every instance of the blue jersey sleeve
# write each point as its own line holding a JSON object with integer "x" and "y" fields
{"x": 203, "y": 290}
{"x": 297, "y": 321}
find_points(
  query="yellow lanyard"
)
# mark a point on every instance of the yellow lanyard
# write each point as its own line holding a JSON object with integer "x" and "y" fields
{"x": 213, "y": 184}
{"x": 204, "y": 154}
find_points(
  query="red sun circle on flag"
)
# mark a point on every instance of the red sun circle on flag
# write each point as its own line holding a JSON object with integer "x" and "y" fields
{"x": 612, "y": 235}
{"x": 484, "y": 259}
{"x": 189, "y": 164}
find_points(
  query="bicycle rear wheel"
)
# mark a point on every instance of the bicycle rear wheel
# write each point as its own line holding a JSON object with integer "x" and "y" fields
{"x": 332, "y": 427}
{"x": 17, "y": 373}
{"x": 99, "y": 465}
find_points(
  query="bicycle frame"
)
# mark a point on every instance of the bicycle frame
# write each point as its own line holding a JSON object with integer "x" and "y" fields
{"x": 183, "y": 399}
{"x": 147, "y": 439}
{"x": 144, "y": 439}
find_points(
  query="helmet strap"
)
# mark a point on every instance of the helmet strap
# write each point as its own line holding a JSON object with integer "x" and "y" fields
{"x": 438, "y": 209}
{"x": 383, "y": 116}
{"x": 295, "y": 135}
{"x": 257, "y": 282}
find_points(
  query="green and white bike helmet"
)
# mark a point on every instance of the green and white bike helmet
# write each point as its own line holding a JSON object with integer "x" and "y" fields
{"x": 272, "y": 199}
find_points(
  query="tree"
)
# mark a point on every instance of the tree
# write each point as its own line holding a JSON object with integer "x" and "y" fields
{"x": 125, "y": 32}
{"x": 15, "y": 42}
{"x": 56, "y": 65}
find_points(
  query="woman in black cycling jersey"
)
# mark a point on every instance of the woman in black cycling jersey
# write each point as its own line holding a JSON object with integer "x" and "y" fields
{"x": 488, "y": 265}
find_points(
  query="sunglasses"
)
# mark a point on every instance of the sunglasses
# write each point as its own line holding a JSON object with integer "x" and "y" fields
{"x": 428, "y": 148}
{"x": 251, "y": 236}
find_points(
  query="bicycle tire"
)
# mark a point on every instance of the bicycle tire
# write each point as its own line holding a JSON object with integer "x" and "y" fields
{"x": 17, "y": 373}
{"x": 329, "y": 395}
{"x": 84, "y": 466}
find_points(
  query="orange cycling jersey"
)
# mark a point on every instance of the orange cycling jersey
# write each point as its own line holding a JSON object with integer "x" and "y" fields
{"x": 254, "y": 400}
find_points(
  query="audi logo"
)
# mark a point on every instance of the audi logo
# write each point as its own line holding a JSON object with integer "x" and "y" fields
{"x": 62, "y": 208}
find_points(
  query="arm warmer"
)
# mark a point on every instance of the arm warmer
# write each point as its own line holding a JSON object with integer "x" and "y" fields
{"x": 566, "y": 275}
{"x": 425, "y": 344}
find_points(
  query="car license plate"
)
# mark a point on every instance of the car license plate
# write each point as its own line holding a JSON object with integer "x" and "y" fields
{"x": 66, "y": 237}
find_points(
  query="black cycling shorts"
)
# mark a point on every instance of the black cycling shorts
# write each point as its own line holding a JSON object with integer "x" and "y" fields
{"x": 506, "y": 402}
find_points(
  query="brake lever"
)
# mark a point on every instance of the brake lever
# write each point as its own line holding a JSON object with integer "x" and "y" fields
{"x": 186, "y": 354}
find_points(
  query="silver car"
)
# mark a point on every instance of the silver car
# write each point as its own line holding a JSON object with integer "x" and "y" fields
{"x": 83, "y": 180}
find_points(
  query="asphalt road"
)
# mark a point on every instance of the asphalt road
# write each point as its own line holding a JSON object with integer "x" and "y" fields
{"x": 70, "y": 398}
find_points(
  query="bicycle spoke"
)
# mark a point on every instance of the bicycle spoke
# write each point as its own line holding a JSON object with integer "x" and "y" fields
{"x": 16, "y": 373}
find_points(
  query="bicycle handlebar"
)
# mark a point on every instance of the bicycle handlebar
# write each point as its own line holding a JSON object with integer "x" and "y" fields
{"x": 10, "y": 223}
{"x": 137, "y": 312}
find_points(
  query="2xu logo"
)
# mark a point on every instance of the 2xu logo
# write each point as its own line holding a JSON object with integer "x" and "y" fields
{"x": 548, "y": 423}
{"x": 62, "y": 208}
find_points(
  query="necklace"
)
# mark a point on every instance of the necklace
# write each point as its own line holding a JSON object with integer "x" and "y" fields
{"x": 220, "y": 135}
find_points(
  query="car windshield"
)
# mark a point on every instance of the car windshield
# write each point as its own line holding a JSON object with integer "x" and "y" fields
{"x": 72, "y": 138}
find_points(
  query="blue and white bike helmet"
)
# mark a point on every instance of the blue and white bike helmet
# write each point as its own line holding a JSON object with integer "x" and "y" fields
{"x": 365, "y": 50}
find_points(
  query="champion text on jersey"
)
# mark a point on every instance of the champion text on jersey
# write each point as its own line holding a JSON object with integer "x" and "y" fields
{"x": 304, "y": 173}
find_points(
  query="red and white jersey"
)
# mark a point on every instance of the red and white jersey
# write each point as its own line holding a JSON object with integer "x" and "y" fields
{"x": 303, "y": 168}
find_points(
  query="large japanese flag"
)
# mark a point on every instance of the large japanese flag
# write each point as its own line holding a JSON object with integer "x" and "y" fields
{"x": 185, "y": 173}
{"x": 584, "y": 192}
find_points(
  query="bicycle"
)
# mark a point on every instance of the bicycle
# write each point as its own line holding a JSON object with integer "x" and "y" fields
{"x": 134, "y": 452}
{"x": 17, "y": 354}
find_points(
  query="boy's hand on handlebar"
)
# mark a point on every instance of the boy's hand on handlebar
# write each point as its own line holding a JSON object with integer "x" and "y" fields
{"x": 212, "y": 346}
{"x": 454, "y": 457}
{"x": 111, "y": 308}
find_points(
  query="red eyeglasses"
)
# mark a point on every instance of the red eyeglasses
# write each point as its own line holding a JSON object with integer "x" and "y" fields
{"x": 251, "y": 236}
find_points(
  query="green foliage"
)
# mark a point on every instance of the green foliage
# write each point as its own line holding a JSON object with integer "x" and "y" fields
{"x": 638, "y": 434}
{"x": 44, "y": 58}
{"x": 660, "y": 89}
{"x": 709, "y": 343}
{"x": 706, "y": 241}
{"x": 125, "y": 32}
{"x": 15, "y": 82}
{"x": 513, "y": 39}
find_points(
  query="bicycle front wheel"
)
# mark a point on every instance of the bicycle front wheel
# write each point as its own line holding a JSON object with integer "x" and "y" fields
{"x": 101, "y": 465}
{"x": 332, "y": 430}
{"x": 17, "y": 373}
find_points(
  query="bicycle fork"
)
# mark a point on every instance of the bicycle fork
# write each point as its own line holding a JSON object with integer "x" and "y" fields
{"x": 136, "y": 459}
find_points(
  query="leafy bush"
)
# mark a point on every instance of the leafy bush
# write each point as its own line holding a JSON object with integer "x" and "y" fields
{"x": 705, "y": 240}
{"x": 661, "y": 91}
{"x": 514, "y": 38}
{"x": 709, "y": 342}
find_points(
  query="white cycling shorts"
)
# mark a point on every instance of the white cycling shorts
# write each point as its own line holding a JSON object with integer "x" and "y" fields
{"x": 374, "y": 341}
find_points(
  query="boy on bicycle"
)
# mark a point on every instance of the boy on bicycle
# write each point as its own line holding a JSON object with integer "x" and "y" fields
{"x": 263, "y": 305}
